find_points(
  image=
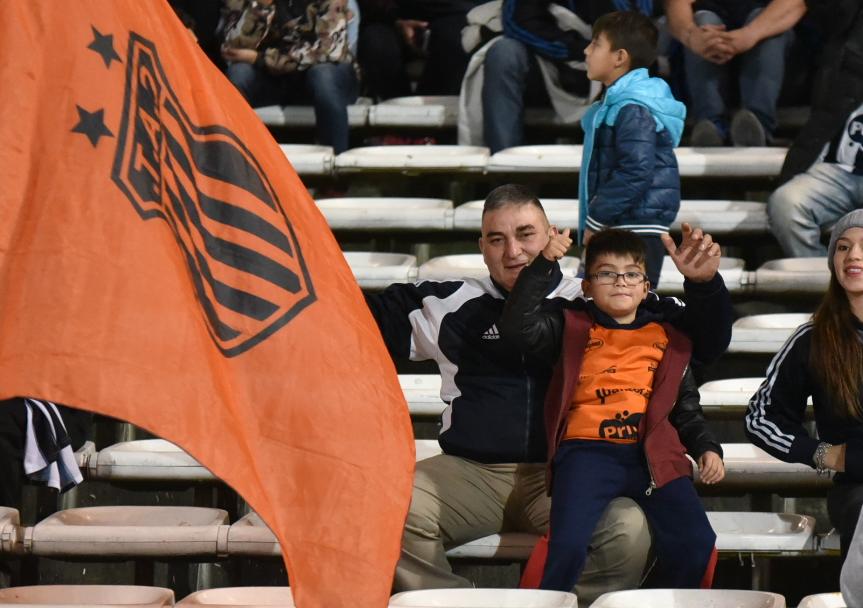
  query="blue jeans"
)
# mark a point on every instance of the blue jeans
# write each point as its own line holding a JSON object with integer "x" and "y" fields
{"x": 802, "y": 208}
{"x": 330, "y": 87}
{"x": 590, "y": 474}
{"x": 760, "y": 77}
{"x": 510, "y": 74}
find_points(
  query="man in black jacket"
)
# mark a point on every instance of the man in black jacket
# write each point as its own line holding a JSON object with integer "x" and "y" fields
{"x": 825, "y": 163}
{"x": 491, "y": 475}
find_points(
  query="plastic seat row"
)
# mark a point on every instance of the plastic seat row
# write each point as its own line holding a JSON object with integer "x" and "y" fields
{"x": 436, "y": 111}
{"x": 549, "y": 159}
{"x": 156, "y": 597}
{"x": 803, "y": 276}
{"x": 718, "y": 217}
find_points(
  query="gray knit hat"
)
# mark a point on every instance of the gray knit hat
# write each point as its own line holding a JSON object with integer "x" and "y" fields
{"x": 853, "y": 219}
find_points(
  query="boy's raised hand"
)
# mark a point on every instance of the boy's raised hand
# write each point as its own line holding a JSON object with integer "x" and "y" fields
{"x": 558, "y": 244}
{"x": 711, "y": 469}
{"x": 697, "y": 257}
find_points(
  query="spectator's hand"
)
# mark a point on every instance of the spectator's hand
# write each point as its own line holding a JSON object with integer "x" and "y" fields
{"x": 740, "y": 40}
{"x": 711, "y": 469}
{"x": 558, "y": 244}
{"x": 697, "y": 257}
{"x": 410, "y": 30}
{"x": 709, "y": 42}
{"x": 585, "y": 238}
{"x": 239, "y": 55}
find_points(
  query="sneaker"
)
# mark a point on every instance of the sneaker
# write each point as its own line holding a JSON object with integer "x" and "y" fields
{"x": 747, "y": 130}
{"x": 705, "y": 134}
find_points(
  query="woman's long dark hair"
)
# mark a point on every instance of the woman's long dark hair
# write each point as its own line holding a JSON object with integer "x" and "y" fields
{"x": 837, "y": 352}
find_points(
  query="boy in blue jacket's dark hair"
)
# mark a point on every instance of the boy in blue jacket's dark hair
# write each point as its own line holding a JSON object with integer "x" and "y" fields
{"x": 629, "y": 177}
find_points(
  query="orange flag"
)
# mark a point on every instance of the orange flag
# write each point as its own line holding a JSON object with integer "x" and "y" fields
{"x": 161, "y": 262}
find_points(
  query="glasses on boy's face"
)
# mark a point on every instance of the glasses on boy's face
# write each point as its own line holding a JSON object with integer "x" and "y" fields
{"x": 607, "y": 277}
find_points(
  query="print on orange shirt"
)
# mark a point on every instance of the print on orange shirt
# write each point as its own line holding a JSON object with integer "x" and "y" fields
{"x": 615, "y": 383}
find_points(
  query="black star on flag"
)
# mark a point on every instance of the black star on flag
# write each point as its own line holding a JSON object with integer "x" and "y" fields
{"x": 92, "y": 124}
{"x": 104, "y": 45}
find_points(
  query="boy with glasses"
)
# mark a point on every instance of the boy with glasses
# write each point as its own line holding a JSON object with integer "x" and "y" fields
{"x": 614, "y": 424}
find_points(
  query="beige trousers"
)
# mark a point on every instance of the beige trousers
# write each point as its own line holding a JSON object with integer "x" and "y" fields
{"x": 456, "y": 500}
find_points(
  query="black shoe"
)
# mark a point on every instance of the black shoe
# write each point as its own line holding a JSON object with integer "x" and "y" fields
{"x": 747, "y": 130}
{"x": 705, "y": 134}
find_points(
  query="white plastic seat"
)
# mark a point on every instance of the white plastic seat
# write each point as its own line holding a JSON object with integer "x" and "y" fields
{"x": 510, "y": 546}
{"x": 147, "y": 459}
{"x": 731, "y": 269}
{"x": 689, "y": 598}
{"x": 730, "y": 162}
{"x": 409, "y": 159}
{"x": 84, "y": 454}
{"x": 130, "y": 531}
{"x": 10, "y": 530}
{"x": 553, "y": 158}
{"x": 379, "y": 270}
{"x": 748, "y": 467}
{"x": 249, "y": 535}
{"x": 756, "y": 532}
{"x": 304, "y": 116}
{"x": 378, "y": 213}
{"x": 731, "y": 395}
{"x": 823, "y": 600}
{"x": 66, "y": 596}
{"x": 246, "y": 597}
{"x": 422, "y": 392}
{"x": 483, "y": 598}
{"x": 416, "y": 111}
{"x": 801, "y": 275}
{"x": 764, "y": 333}
{"x": 471, "y": 265}
{"x": 562, "y": 212}
{"x": 309, "y": 159}
{"x": 723, "y": 217}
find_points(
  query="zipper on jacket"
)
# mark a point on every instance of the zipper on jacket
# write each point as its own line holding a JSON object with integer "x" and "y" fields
{"x": 529, "y": 411}
{"x": 652, "y": 486}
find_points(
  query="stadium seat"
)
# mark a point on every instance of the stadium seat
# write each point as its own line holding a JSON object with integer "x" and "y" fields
{"x": 689, "y": 598}
{"x": 308, "y": 159}
{"x": 764, "y": 334}
{"x": 798, "y": 275}
{"x": 130, "y": 531}
{"x": 483, "y": 598}
{"x": 249, "y": 535}
{"x": 249, "y": 597}
{"x": 146, "y": 459}
{"x": 748, "y": 532}
{"x": 750, "y": 469}
{"x": 426, "y": 448}
{"x": 379, "y": 270}
{"x": 509, "y": 546}
{"x": 84, "y": 454}
{"x": 723, "y": 218}
{"x": 422, "y": 392}
{"x": 471, "y": 265}
{"x": 730, "y": 162}
{"x": 411, "y": 159}
{"x": 378, "y": 213}
{"x": 416, "y": 111}
{"x": 304, "y": 116}
{"x": 562, "y": 212}
{"x": 10, "y": 530}
{"x": 728, "y": 398}
{"x": 822, "y": 600}
{"x": 692, "y": 162}
{"x": 66, "y": 596}
{"x": 731, "y": 269}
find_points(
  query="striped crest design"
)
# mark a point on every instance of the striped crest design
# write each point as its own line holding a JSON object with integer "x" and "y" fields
{"x": 240, "y": 248}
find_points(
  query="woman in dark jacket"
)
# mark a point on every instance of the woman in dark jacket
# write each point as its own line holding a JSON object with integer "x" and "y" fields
{"x": 823, "y": 359}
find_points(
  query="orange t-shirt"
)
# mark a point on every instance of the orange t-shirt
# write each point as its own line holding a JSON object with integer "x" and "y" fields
{"x": 615, "y": 383}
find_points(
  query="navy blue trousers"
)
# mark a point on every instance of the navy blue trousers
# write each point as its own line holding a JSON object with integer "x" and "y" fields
{"x": 587, "y": 476}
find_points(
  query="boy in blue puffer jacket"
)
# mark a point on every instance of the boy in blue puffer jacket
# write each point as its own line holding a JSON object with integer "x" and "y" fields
{"x": 629, "y": 177}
